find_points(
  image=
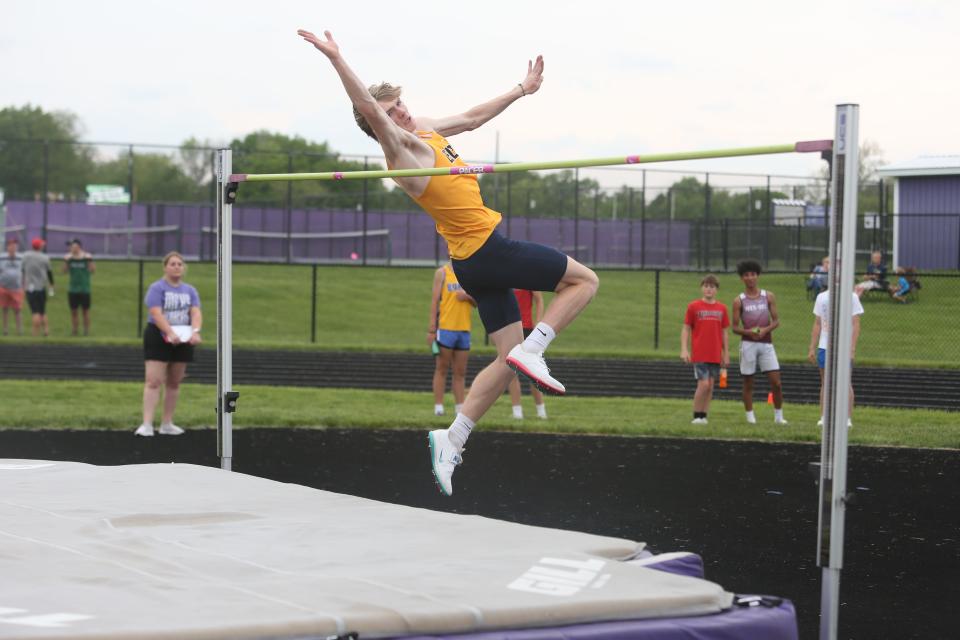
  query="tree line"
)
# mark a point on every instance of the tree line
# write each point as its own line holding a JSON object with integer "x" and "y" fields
{"x": 42, "y": 152}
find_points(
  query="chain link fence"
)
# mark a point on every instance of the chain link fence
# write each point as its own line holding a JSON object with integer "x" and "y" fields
{"x": 127, "y": 200}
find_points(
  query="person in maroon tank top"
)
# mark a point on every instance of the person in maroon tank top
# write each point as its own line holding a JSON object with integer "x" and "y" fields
{"x": 754, "y": 319}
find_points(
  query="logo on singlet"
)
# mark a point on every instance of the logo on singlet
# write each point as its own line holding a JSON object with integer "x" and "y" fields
{"x": 450, "y": 153}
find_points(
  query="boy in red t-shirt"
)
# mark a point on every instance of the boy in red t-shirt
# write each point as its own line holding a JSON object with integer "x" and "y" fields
{"x": 707, "y": 320}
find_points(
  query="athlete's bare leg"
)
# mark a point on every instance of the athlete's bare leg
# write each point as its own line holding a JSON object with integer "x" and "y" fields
{"x": 574, "y": 292}
{"x": 748, "y": 393}
{"x": 776, "y": 387}
{"x": 459, "y": 383}
{"x": 491, "y": 382}
{"x": 440, "y": 374}
{"x": 703, "y": 394}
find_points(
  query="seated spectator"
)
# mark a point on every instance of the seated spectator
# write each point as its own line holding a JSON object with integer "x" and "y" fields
{"x": 902, "y": 287}
{"x": 876, "y": 277}
{"x": 818, "y": 277}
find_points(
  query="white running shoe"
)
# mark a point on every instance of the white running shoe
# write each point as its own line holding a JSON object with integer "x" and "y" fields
{"x": 782, "y": 421}
{"x": 699, "y": 421}
{"x": 533, "y": 367}
{"x": 820, "y": 422}
{"x": 751, "y": 418}
{"x": 444, "y": 457}
{"x": 438, "y": 411}
{"x": 170, "y": 429}
{"x": 145, "y": 430}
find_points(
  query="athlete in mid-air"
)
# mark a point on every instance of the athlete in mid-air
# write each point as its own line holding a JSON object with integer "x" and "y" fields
{"x": 487, "y": 265}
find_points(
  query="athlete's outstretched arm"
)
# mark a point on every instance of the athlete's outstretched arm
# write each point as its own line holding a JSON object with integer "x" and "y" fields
{"x": 482, "y": 113}
{"x": 388, "y": 134}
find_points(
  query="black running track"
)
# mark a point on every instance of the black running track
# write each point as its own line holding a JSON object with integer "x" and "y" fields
{"x": 750, "y": 509}
{"x": 875, "y": 386}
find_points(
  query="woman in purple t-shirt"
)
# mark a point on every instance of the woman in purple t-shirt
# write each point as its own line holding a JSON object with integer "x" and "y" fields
{"x": 173, "y": 328}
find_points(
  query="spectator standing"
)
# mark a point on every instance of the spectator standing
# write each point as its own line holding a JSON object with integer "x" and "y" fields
{"x": 756, "y": 310}
{"x": 531, "y": 310}
{"x": 173, "y": 328}
{"x": 819, "y": 336}
{"x": 37, "y": 276}
{"x": 79, "y": 264}
{"x": 706, "y": 321}
{"x": 11, "y": 284}
{"x": 450, "y": 324}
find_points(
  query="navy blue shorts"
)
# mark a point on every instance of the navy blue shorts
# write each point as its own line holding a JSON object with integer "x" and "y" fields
{"x": 501, "y": 265}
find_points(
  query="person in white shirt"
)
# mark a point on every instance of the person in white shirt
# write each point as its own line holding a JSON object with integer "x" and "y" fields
{"x": 820, "y": 334}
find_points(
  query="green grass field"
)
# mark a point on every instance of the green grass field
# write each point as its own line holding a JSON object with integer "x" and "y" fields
{"x": 375, "y": 308}
{"x": 109, "y": 405}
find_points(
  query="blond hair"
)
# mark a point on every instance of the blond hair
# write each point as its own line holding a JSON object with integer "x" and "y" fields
{"x": 174, "y": 254}
{"x": 382, "y": 91}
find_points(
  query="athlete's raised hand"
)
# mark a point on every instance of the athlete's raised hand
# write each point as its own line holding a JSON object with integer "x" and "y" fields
{"x": 534, "y": 77}
{"x": 328, "y": 47}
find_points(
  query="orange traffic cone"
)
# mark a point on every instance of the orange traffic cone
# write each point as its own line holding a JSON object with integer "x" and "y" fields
{"x": 770, "y": 398}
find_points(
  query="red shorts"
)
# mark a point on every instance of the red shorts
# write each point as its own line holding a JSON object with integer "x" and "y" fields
{"x": 11, "y": 298}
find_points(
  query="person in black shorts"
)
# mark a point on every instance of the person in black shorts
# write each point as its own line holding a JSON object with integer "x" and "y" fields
{"x": 173, "y": 329}
{"x": 37, "y": 279}
{"x": 79, "y": 264}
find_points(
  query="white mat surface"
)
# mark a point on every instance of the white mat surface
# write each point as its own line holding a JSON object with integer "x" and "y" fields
{"x": 183, "y": 551}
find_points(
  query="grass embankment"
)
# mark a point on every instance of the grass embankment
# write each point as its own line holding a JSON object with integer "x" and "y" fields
{"x": 110, "y": 405}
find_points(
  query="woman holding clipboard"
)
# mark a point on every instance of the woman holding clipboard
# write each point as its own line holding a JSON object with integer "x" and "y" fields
{"x": 173, "y": 329}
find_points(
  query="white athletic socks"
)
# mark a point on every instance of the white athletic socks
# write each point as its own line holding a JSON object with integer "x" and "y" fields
{"x": 751, "y": 417}
{"x": 539, "y": 339}
{"x": 518, "y": 412}
{"x": 457, "y": 408}
{"x": 778, "y": 414}
{"x": 460, "y": 430}
{"x": 438, "y": 409}
{"x": 542, "y": 411}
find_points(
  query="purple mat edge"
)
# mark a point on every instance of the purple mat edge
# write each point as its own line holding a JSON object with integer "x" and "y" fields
{"x": 738, "y": 623}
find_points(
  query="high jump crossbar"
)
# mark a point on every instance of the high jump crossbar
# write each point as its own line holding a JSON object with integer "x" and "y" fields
{"x": 808, "y": 146}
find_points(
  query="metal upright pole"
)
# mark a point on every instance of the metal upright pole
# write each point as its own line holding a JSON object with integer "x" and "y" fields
{"x": 706, "y": 219}
{"x": 226, "y": 399}
{"x": 643, "y": 220}
{"x": 130, "y": 202}
{"x": 836, "y": 402}
{"x": 46, "y": 187}
{"x": 139, "y": 311}
{"x": 576, "y": 214}
{"x": 365, "y": 205}
{"x": 288, "y": 210}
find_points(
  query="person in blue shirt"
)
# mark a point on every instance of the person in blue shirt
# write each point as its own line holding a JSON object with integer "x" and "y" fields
{"x": 818, "y": 277}
{"x": 173, "y": 328}
{"x": 900, "y": 290}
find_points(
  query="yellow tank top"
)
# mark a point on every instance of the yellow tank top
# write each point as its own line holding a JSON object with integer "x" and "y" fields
{"x": 454, "y": 313}
{"x": 454, "y": 202}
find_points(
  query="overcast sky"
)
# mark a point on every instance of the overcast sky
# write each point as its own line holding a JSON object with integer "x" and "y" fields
{"x": 621, "y": 77}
